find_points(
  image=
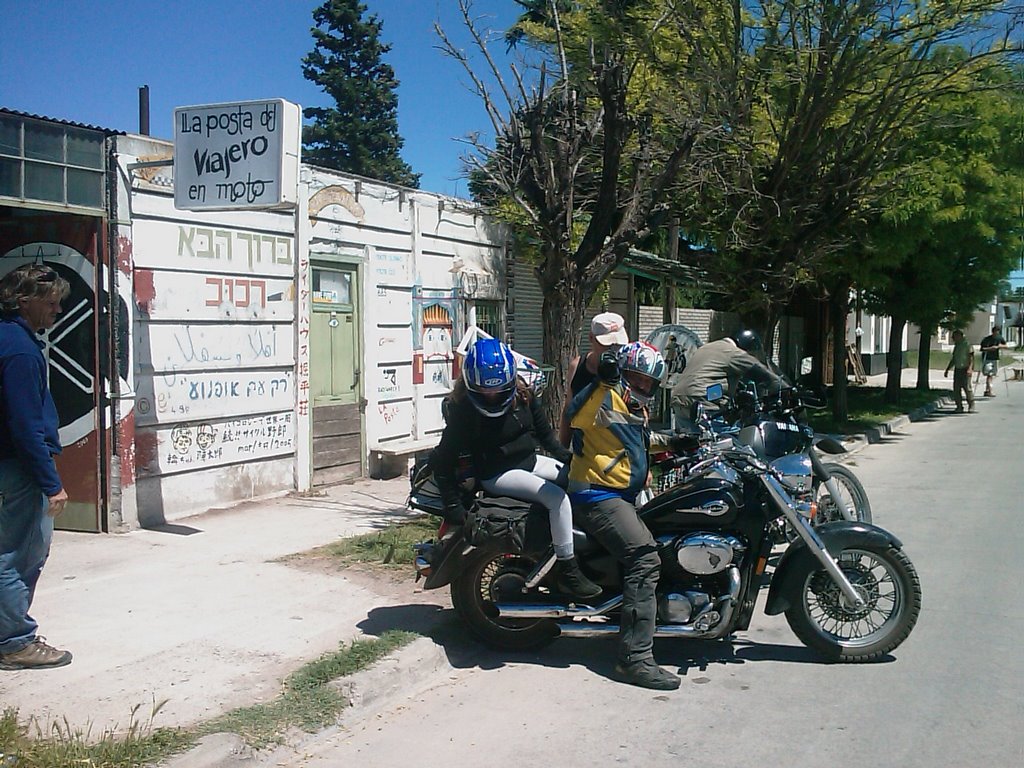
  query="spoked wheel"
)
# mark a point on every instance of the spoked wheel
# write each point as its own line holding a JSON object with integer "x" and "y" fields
{"x": 852, "y": 496}
{"x": 828, "y": 623}
{"x": 492, "y": 577}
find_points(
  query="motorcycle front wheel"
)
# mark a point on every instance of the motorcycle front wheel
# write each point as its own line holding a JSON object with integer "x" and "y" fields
{"x": 852, "y": 496}
{"x": 489, "y": 577}
{"x": 826, "y": 622}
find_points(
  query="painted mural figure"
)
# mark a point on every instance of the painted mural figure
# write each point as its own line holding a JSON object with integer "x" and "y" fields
{"x": 31, "y": 490}
{"x": 433, "y": 327}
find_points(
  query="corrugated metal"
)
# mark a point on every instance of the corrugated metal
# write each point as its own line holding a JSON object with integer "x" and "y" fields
{"x": 44, "y": 118}
{"x": 524, "y": 310}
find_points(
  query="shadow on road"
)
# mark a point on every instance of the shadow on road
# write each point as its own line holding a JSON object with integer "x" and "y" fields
{"x": 595, "y": 654}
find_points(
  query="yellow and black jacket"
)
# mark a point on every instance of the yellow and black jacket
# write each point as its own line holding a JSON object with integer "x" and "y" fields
{"x": 609, "y": 445}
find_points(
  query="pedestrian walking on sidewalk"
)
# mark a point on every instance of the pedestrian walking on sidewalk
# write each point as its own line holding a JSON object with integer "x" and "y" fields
{"x": 990, "y": 347}
{"x": 962, "y": 363}
{"x": 31, "y": 492}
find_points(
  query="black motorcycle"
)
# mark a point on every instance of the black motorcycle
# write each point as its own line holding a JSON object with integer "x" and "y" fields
{"x": 847, "y": 588}
{"x": 773, "y": 424}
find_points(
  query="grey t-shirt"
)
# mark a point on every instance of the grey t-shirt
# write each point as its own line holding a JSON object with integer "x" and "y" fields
{"x": 720, "y": 362}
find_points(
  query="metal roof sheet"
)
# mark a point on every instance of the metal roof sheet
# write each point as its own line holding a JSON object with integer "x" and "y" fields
{"x": 44, "y": 118}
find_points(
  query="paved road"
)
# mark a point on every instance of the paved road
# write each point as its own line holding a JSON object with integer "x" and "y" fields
{"x": 952, "y": 487}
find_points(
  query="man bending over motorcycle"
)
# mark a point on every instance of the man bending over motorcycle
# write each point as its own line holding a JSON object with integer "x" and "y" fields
{"x": 610, "y": 440}
{"x": 726, "y": 362}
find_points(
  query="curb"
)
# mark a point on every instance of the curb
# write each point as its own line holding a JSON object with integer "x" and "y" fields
{"x": 858, "y": 442}
{"x": 405, "y": 671}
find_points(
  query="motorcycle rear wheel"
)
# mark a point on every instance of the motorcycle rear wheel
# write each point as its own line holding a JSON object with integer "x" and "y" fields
{"x": 853, "y": 495}
{"x": 826, "y": 623}
{"x": 490, "y": 576}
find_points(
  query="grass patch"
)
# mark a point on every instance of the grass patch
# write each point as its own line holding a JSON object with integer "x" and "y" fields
{"x": 389, "y": 548}
{"x": 307, "y": 702}
{"x": 31, "y": 745}
{"x": 937, "y": 359}
{"x": 868, "y": 409}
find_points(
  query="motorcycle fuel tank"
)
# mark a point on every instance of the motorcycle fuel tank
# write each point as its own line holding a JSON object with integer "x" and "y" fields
{"x": 771, "y": 439}
{"x": 703, "y": 501}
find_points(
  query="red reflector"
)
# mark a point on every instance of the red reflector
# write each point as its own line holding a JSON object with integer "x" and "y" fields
{"x": 443, "y": 529}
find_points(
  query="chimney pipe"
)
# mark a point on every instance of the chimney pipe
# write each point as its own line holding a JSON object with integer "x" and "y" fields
{"x": 144, "y": 110}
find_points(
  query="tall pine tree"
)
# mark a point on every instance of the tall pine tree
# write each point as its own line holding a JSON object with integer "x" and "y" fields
{"x": 360, "y": 133}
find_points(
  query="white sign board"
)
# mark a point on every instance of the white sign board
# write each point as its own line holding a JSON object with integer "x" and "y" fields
{"x": 242, "y": 155}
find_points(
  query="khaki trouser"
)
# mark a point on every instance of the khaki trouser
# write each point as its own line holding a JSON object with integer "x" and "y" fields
{"x": 961, "y": 384}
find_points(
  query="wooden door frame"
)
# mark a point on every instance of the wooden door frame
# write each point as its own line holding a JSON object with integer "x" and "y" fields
{"x": 356, "y": 264}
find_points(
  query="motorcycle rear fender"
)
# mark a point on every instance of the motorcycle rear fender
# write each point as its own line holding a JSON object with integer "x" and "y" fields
{"x": 452, "y": 558}
{"x": 828, "y": 444}
{"x": 798, "y": 561}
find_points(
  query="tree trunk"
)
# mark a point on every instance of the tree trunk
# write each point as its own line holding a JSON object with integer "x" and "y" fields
{"x": 924, "y": 349}
{"x": 563, "y": 321}
{"x": 894, "y": 361}
{"x": 839, "y": 308}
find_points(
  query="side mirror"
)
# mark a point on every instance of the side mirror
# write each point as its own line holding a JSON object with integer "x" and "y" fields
{"x": 806, "y": 366}
{"x": 715, "y": 393}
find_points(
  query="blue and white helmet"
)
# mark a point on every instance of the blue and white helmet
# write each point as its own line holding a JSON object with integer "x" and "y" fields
{"x": 489, "y": 373}
{"x": 642, "y": 368}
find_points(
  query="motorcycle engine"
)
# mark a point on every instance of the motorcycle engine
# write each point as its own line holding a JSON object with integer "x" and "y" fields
{"x": 703, "y": 554}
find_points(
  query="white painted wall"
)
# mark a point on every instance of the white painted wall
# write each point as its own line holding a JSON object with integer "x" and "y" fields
{"x": 214, "y": 346}
{"x": 417, "y": 250}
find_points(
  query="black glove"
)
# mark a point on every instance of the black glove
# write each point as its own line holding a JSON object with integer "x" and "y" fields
{"x": 608, "y": 368}
{"x": 451, "y": 499}
{"x": 564, "y": 456}
{"x": 683, "y": 443}
{"x": 455, "y": 513}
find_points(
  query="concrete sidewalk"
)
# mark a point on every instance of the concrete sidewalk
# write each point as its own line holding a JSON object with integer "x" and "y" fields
{"x": 196, "y": 614}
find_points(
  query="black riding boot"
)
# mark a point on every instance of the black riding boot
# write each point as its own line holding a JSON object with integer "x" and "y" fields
{"x": 570, "y": 580}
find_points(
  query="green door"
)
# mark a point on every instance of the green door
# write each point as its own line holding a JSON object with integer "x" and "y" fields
{"x": 335, "y": 375}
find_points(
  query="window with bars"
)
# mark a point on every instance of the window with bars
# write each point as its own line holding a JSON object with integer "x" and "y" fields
{"x": 488, "y": 317}
{"x": 51, "y": 163}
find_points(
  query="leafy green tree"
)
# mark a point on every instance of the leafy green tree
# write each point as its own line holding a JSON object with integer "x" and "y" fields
{"x": 359, "y": 134}
{"x": 824, "y": 95}
{"x": 953, "y": 222}
{"x": 591, "y": 135}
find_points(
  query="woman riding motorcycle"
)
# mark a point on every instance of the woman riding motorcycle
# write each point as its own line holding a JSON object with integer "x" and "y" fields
{"x": 492, "y": 415}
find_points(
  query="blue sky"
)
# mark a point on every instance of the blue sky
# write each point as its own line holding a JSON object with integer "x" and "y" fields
{"x": 84, "y": 61}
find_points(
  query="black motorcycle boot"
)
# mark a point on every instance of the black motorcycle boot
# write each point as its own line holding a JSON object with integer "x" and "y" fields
{"x": 645, "y": 673}
{"x": 571, "y": 580}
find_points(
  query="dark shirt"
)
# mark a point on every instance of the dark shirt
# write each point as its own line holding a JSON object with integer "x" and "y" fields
{"x": 581, "y": 377}
{"x": 496, "y": 444}
{"x": 991, "y": 341}
{"x": 28, "y": 418}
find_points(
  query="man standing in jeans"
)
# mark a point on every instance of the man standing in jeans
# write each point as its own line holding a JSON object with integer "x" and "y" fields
{"x": 962, "y": 363}
{"x": 31, "y": 493}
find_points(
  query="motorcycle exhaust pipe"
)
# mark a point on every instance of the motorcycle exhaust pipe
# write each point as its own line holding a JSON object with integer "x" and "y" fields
{"x": 542, "y": 611}
{"x": 662, "y": 630}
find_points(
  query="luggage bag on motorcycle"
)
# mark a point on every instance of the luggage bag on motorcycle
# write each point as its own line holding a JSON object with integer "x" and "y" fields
{"x": 425, "y": 496}
{"x": 516, "y": 526}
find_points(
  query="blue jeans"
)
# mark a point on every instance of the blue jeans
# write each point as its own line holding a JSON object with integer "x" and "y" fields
{"x": 25, "y": 534}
